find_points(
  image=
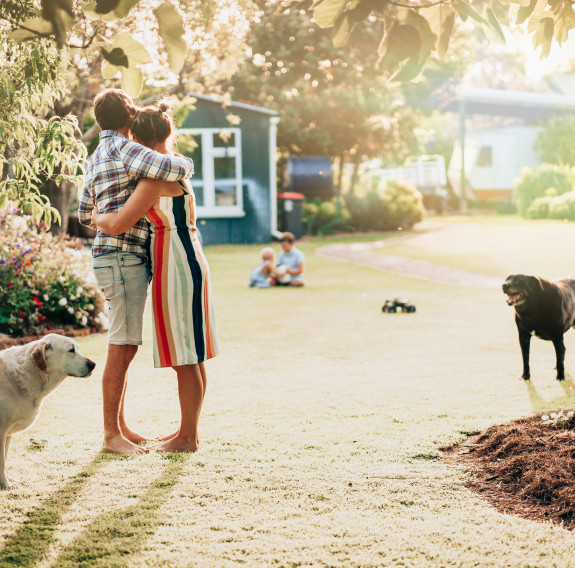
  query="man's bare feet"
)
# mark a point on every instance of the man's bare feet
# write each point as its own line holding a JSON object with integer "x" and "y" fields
{"x": 134, "y": 437}
{"x": 177, "y": 444}
{"x": 119, "y": 445}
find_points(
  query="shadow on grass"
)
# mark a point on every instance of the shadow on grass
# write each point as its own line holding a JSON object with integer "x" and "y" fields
{"x": 114, "y": 537}
{"x": 32, "y": 539}
{"x": 109, "y": 540}
{"x": 565, "y": 400}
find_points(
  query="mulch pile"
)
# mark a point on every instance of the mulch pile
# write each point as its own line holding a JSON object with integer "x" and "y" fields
{"x": 525, "y": 468}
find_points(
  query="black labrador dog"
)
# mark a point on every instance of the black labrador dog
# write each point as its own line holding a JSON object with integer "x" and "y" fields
{"x": 542, "y": 308}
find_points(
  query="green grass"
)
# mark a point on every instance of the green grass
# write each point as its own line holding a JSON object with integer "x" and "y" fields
{"x": 321, "y": 429}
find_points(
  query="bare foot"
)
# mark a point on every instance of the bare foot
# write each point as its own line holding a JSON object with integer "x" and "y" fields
{"x": 119, "y": 445}
{"x": 134, "y": 437}
{"x": 177, "y": 444}
{"x": 172, "y": 436}
{"x": 168, "y": 437}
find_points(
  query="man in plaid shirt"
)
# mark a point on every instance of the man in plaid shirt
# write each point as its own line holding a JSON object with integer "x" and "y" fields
{"x": 121, "y": 262}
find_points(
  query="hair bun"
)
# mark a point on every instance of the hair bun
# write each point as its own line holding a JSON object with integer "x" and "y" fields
{"x": 164, "y": 106}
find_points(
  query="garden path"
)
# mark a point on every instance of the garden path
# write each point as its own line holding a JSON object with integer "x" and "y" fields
{"x": 366, "y": 254}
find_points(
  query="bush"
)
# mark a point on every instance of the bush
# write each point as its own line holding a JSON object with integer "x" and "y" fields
{"x": 555, "y": 142}
{"x": 46, "y": 281}
{"x": 563, "y": 207}
{"x": 385, "y": 205}
{"x": 322, "y": 217}
{"x": 534, "y": 183}
{"x": 539, "y": 209}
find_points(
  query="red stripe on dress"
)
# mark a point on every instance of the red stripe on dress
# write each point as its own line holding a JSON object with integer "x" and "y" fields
{"x": 159, "y": 286}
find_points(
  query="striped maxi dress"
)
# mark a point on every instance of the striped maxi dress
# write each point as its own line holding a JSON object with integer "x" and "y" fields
{"x": 184, "y": 326}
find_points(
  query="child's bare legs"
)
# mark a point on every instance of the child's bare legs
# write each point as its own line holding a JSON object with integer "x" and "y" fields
{"x": 191, "y": 390}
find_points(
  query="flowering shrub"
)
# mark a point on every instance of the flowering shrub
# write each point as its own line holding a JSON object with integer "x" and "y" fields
{"x": 385, "y": 205}
{"x": 45, "y": 281}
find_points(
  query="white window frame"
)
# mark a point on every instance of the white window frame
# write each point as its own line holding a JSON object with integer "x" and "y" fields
{"x": 209, "y": 209}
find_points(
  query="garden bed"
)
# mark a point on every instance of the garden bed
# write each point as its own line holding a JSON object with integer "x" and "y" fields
{"x": 69, "y": 331}
{"x": 525, "y": 468}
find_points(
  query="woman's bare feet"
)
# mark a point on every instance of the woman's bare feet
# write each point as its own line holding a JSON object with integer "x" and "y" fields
{"x": 177, "y": 444}
{"x": 119, "y": 445}
{"x": 168, "y": 437}
{"x": 134, "y": 437}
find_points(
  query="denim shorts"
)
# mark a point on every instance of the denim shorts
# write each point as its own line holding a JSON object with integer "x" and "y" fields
{"x": 123, "y": 278}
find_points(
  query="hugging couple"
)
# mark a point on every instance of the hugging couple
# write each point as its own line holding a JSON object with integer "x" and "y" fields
{"x": 137, "y": 195}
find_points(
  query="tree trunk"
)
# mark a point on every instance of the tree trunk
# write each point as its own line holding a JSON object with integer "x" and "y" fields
{"x": 340, "y": 174}
{"x": 61, "y": 197}
{"x": 354, "y": 177}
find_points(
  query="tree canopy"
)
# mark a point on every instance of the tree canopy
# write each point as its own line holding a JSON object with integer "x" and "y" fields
{"x": 331, "y": 101}
{"x": 412, "y": 30}
{"x": 155, "y": 47}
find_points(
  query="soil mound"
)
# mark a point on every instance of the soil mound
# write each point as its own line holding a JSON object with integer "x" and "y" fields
{"x": 526, "y": 467}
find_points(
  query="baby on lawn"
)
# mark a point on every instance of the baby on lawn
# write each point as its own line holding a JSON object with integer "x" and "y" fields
{"x": 287, "y": 272}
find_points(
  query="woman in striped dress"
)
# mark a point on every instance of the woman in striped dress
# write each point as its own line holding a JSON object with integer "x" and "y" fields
{"x": 184, "y": 328}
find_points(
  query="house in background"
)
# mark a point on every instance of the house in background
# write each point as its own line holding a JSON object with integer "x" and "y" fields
{"x": 235, "y": 170}
{"x": 485, "y": 162}
{"x": 494, "y": 158}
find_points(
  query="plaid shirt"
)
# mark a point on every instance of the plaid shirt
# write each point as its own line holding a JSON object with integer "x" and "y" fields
{"x": 113, "y": 173}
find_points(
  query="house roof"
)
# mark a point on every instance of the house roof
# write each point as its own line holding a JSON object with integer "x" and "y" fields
{"x": 232, "y": 104}
{"x": 517, "y": 104}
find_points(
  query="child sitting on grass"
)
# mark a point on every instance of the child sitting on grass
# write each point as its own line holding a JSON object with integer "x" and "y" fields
{"x": 259, "y": 277}
{"x": 293, "y": 260}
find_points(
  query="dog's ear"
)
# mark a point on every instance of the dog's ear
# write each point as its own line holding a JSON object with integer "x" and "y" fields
{"x": 39, "y": 355}
{"x": 543, "y": 284}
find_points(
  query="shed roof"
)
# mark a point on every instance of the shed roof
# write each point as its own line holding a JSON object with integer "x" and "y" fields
{"x": 518, "y": 104}
{"x": 232, "y": 104}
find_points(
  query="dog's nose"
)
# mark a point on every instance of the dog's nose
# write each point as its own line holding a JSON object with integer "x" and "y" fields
{"x": 91, "y": 365}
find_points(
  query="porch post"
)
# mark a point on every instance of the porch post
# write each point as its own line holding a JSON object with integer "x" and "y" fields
{"x": 462, "y": 180}
{"x": 273, "y": 176}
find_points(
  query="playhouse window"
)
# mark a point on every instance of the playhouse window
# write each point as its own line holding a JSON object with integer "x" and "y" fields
{"x": 217, "y": 180}
{"x": 484, "y": 158}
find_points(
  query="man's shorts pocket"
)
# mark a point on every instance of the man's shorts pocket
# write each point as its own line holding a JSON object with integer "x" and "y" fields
{"x": 106, "y": 281}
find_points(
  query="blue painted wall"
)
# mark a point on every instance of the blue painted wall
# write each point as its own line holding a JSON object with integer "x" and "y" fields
{"x": 255, "y": 226}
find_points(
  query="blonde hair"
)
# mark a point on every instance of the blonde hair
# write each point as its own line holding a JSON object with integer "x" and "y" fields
{"x": 268, "y": 253}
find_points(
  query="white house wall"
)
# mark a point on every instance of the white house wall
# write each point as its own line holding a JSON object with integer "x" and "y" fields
{"x": 512, "y": 149}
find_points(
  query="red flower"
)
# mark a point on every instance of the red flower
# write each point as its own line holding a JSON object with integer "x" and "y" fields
{"x": 48, "y": 327}
{"x": 21, "y": 315}
{"x": 41, "y": 318}
{"x": 38, "y": 302}
{"x": 10, "y": 284}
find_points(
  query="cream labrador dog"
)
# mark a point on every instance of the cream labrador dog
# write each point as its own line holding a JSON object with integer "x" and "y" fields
{"x": 28, "y": 374}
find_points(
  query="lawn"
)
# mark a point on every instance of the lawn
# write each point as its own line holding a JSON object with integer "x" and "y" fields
{"x": 321, "y": 428}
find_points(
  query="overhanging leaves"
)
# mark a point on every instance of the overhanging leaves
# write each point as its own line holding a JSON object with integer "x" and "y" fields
{"x": 31, "y": 29}
{"x": 116, "y": 57}
{"x": 127, "y": 55}
{"x": 408, "y": 45}
{"x": 171, "y": 30}
{"x": 109, "y": 10}
{"x": 543, "y": 36}
{"x": 441, "y": 19}
{"x": 327, "y": 12}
